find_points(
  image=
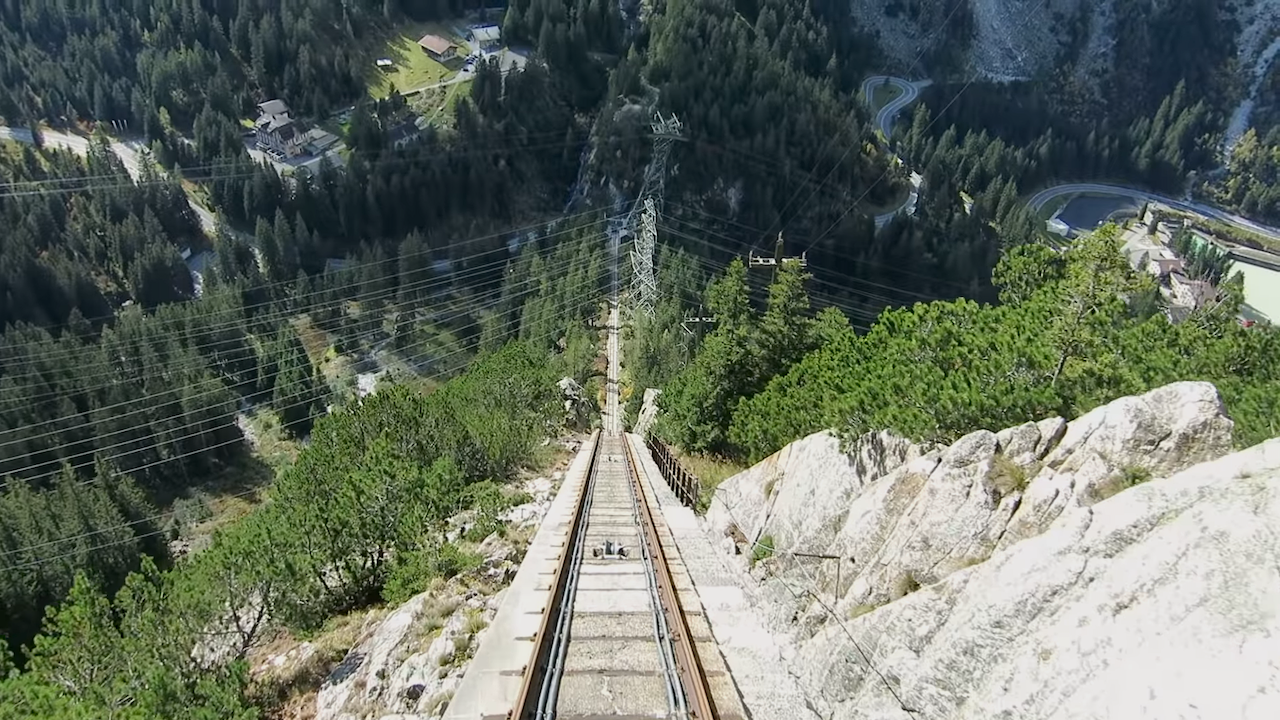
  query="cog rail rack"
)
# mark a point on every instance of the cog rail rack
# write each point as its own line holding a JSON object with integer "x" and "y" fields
{"x": 614, "y": 641}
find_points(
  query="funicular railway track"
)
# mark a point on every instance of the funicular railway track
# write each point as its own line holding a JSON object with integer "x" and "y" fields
{"x": 614, "y": 640}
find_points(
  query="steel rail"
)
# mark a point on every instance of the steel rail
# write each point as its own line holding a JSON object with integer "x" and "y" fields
{"x": 555, "y": 671}
{"x": 688, "y": 693}
{"x": 693, "y": 678}
{"x": 536, "y": 671}
{"x": 677, "y": 703}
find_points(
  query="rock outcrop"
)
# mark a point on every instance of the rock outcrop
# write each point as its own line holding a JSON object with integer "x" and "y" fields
{"x": 1011, "y": 39}
{"x": 1015, "y": 39}
{"x": 648, "y": 413}
{"x": 577, "y": 407}
{"x": 1119, "y": 565}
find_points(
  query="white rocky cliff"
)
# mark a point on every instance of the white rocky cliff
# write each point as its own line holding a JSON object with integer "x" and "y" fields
{"x": 1123, "y": 565}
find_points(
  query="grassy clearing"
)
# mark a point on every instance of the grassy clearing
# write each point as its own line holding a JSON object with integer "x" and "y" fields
{"x": 711, "y": 471}
{"x": 233, "y": 493}
{"x": 413, "y": 67}
{"x": 201, "y": 511}
{"x": 275, "y": 447}
{"x": 437, "y": 104}
{"x": 314, "y": 340}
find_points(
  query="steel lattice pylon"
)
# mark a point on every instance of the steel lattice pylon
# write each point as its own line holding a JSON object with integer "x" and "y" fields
{"x": 644, "y": 288}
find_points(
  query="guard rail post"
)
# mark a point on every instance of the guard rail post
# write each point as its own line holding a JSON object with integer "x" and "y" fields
{"x": 686, "y": 486}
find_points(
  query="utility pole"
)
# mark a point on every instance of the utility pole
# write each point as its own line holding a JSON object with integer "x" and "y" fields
{"x": 644, "y": 288}
{"x": 778, "y": 259}
{"x": 696, "y": 319}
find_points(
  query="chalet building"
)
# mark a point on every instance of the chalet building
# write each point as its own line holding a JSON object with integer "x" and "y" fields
{"x": 276, "y": 132}
{"x": 438, "y": 48}
{"x": 487, "y": 37}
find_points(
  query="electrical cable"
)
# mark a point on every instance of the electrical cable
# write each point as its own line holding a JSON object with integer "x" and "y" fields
{"x": 285, "y": 312}
{"x": 682, "y": 234}
{"x": 833, "y": 252}
{"x": 830, "y": 301}
{"x": 20, "y": 184}
{"x": 200, "y": 364}
{"x": 843, "y": 215}
{"x": 166, "y": 178}
{"x": 41, "y": 561}
{"x": 156, "y": 435}
{"x": 866, "y": 658}
{"x": 957, "y": 4}
{"x": 354, "y": 267}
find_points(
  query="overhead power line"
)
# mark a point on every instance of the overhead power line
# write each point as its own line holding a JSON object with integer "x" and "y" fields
{"x": 496, "y": 296}
{"x": 836, "y": 166}
{"x": 1025, "y": 20}
{"x": 133, "y": 538}
{"x": 354, "y": 267}
{"x": 399, "y": 158}
{"x": 234, "y": 314}
{"x": 158, "y": 435}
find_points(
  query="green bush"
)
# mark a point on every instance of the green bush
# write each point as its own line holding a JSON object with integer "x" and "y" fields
{"x": 763, "y": 548}
{"x": 190, "y": 511}
{"x": 1127, "y": 477}
{"x": 1007, "y": 476}
{"x": 412, "y": 572}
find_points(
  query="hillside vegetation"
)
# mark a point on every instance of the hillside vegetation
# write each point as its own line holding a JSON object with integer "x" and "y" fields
{"x": 360, "y": 514}
{"x": 1071, "y": 332}
{"x": 461, "y": 274}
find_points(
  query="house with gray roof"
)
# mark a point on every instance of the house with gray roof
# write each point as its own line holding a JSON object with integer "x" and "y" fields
{"x": 276, "y": 132}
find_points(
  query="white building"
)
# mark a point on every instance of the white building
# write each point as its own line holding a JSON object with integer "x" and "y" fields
{"x": 487, "y": 37}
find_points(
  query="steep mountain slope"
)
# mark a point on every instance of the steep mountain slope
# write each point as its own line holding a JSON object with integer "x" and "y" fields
{"x": 1007, "y": 39}
{"x": 1004, "y": 39}
{"x": 1030, "y": 573}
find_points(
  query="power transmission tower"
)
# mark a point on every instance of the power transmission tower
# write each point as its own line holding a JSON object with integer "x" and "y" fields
{"x": 644, "y": 288}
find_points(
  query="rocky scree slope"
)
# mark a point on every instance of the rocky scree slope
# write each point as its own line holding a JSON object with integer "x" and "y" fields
{"x": 1012, "y": 39}
{"x": 1015, "y": 39}
{"x": 1125, "y": 564}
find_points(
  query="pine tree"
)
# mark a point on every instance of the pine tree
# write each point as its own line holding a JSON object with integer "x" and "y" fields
{"x": 297, "y": 395}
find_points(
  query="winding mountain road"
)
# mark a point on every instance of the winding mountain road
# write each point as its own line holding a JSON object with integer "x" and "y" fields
{"x": 1039, "y": 200}
{"x": 886, "y": 115}
{"x": 884, "y": 123}
{"x": 911, "y": 90}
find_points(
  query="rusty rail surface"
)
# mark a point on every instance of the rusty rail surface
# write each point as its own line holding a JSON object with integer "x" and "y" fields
{"x": 690, "y": 693}
{"x": 693, "y": 678}
{"x": 683, "y": 483}
{"x": 536, "y": 669}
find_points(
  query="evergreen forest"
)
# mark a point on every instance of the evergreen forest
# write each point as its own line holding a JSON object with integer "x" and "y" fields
{"x": 397, "y": 319}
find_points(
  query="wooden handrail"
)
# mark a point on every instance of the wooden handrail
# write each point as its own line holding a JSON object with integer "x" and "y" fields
{"x": 686, "y": 485}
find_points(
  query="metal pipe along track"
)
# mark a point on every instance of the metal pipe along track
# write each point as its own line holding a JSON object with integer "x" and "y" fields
{"x": 614, "y": 641}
